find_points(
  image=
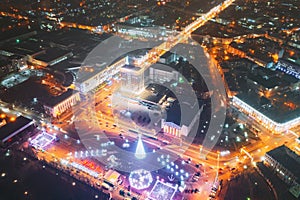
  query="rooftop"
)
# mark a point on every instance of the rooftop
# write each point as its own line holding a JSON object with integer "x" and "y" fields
{"x": 11, "y": 127}
{"x": 84, "y": 74}
{"x": 174, "y": 113}
{"x": 131, "y": 67}
{"x": 74, "y": 39}
{"x": 25, "y": 47}
{"x": 54, "y": 100}
{"x": 279, "y": 114}
{"x": 154, "y": 93}
{"x": 265, "y": 81}
{"x": 287, "y": 158}
{"x": 51, "y": 54}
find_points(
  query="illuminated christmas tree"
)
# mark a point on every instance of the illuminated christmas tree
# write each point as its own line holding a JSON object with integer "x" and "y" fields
{"x": 140, "y": 150}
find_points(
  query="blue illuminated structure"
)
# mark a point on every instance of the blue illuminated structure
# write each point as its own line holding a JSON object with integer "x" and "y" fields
{"x": 288, "y": 68}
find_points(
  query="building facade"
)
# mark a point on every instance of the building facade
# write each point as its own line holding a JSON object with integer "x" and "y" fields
{"x": 285, "y": 164}
{"x": 177, "y": 128}
{"x": 262, "y": 118}
{"x": 87, "y": 81}
{"x": 161, "y": 76}
{"x": 60, "y": 104}
{"x": 132, "y": 79}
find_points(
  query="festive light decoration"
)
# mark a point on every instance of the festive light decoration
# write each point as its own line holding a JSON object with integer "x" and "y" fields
{"x": 140, "y": 179}
{"x": 140, "y": 150}
{"x": 162, "y": 191}
{"x": 42, "y": 140}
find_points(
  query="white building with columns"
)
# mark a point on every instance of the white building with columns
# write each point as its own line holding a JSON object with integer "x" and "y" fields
{"x": 55, "y": 106}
